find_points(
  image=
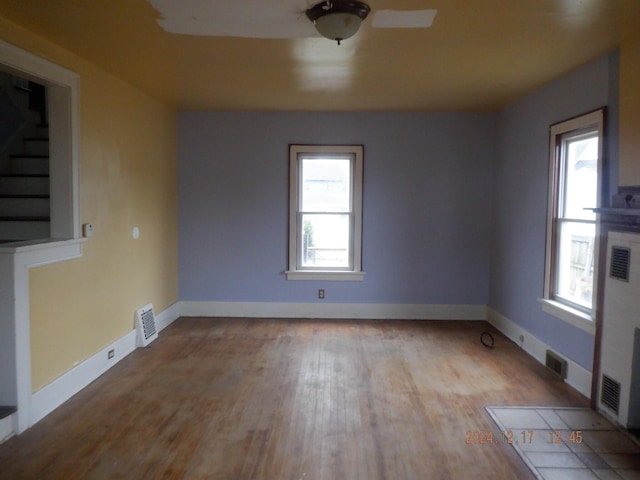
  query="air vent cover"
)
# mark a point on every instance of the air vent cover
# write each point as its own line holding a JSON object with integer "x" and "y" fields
{"x": 610, "y": 395}
{"x": 146, "y": 326}
{"x": 620, "y": 258}
{"x": 556, "y": 363}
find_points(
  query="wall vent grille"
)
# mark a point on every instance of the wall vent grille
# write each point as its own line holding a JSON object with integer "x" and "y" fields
{"x": 146, "y": 326}
{"x": 610, "y": 395}
{"x": 620, "y": 259}
{"x": 556, "y": 363}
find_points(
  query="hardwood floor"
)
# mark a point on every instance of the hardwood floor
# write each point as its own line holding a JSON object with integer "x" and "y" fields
{"x": 295, "y": 400}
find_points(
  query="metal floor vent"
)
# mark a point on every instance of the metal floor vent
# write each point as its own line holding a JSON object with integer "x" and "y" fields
{"x": 620, "y": 259}
{"x": 556, "y": 363}
{"x": 610, "y": 394}
{"x": 145, "y": 326}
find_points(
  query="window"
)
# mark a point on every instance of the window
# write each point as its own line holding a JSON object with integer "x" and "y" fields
{"x": 575, "y": 188}
{"x": 325, "y": 212}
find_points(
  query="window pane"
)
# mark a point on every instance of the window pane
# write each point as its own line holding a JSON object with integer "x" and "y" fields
{"x": 575, "y": 262}
{"x": 325, "y": 240}
{"x": 581, "y": 178}
{"x": 326, "y": 185}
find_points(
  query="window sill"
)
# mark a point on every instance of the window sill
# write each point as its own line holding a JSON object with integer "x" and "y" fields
{"x": 324, "y": 275}
{"x": 572, "y": 316}
{"x": 41, "y": 245}
{"x": 34, "y": 254}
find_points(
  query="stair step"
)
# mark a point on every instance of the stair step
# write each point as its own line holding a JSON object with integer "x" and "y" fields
{"x": 12, "y": 229}
{"x": 24, "y": 175}
{"x": 24, "y": 185}
{"x": 30, "y": 164}
{"x": 24, "y": 218}
{"x": 24, "y": 196}
{"x": 6, "y": 411}
{"x": 30, "y": 185}
{"x": 24, "y": 206}
{"x": 7, "y": 423}
{"x": 36, "y": 146}
{"x": 42, "y": 130}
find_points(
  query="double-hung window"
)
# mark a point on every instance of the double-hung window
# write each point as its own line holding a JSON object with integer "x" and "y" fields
{"x": 325, "y": 212}
{"x": 575, "y": 189}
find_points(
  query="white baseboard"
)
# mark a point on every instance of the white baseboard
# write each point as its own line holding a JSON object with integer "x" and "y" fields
{"x": 167, "y": 317}
{"x": 577, "y": 376}
{"x": 333, "y": 310}
{"x": 47, "y": 399}
{"x": 51, "y": 396}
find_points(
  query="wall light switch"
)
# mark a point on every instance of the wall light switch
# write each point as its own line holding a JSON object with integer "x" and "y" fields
{"x": 87, "y": 230}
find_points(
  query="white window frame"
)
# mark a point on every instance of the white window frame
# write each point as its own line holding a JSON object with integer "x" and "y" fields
{"x": 354, "y": 271}
{"x": 552, "y": 304}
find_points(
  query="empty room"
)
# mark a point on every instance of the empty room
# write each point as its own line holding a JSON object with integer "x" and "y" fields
{"x": 305, "y": 240}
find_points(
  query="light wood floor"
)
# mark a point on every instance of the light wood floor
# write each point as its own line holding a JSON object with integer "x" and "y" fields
{"x": 293, "y": 400}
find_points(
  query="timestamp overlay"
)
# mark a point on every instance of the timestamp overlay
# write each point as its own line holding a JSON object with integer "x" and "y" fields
{"x": 524, "y": 437}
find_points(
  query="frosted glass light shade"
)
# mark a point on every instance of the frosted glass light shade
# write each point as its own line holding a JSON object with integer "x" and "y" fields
{"x": 338, "y": 26}
{"x": 338, "y": 19}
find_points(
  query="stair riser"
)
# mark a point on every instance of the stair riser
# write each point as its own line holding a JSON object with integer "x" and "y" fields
{"x": 42, "y": 131}
{"x": 23, "y": 230}
{"x": 36, "y": 147}
{"x": 30, "y": 166}
{"x": 24, "y": 186}
{"x": 24, "y": 207}
{"x": 7, "y": 427}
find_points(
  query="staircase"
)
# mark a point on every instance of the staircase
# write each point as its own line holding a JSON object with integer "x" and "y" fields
{"x": 7, "y": 428}
{"x": 24, "y": 187}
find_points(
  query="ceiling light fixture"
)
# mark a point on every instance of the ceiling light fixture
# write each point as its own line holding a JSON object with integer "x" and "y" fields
{"x": 339, "y": 19}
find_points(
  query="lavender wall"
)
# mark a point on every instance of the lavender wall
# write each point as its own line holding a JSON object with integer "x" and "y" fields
{"x": 427, "y": 196}
{"x": 520, "y": 201}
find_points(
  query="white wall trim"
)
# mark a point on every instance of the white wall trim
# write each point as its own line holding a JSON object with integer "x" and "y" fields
{"x": 333, "y": 310}
{"x": 51, "y": 396}
{"x": 14, "y": 301}
{"x": 8, "y": 427}
{"x": 167, "y": 316}
{"x": 572, "y": 316}
{"x": 577, "y": 376}
{"x": 15, "y": 322}
{"x": 47, "y": 399}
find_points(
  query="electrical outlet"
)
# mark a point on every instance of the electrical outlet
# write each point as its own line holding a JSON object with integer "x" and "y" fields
{"x": 321, "y": 294}
{"x": 111, "y": 354}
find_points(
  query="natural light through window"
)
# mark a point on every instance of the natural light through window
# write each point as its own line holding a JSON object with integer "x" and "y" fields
{"x": 325, "y": 212}
{"x": 576, "y": 224}
{"x": 575, "y": 178}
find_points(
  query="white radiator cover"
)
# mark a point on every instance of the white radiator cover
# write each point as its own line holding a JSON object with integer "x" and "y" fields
{"x": 619, "y": 360}
{"x": 146, "y": 330}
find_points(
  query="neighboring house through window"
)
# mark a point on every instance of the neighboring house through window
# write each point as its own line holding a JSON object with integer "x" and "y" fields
{"x": 325, "y": 212}
{"x": 575, "y": 176}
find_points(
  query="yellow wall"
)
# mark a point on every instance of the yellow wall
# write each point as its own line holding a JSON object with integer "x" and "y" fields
{"x": 128, "y": 165}
{"x": 128, "y": 178}
{"x": 630, "y": 99}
